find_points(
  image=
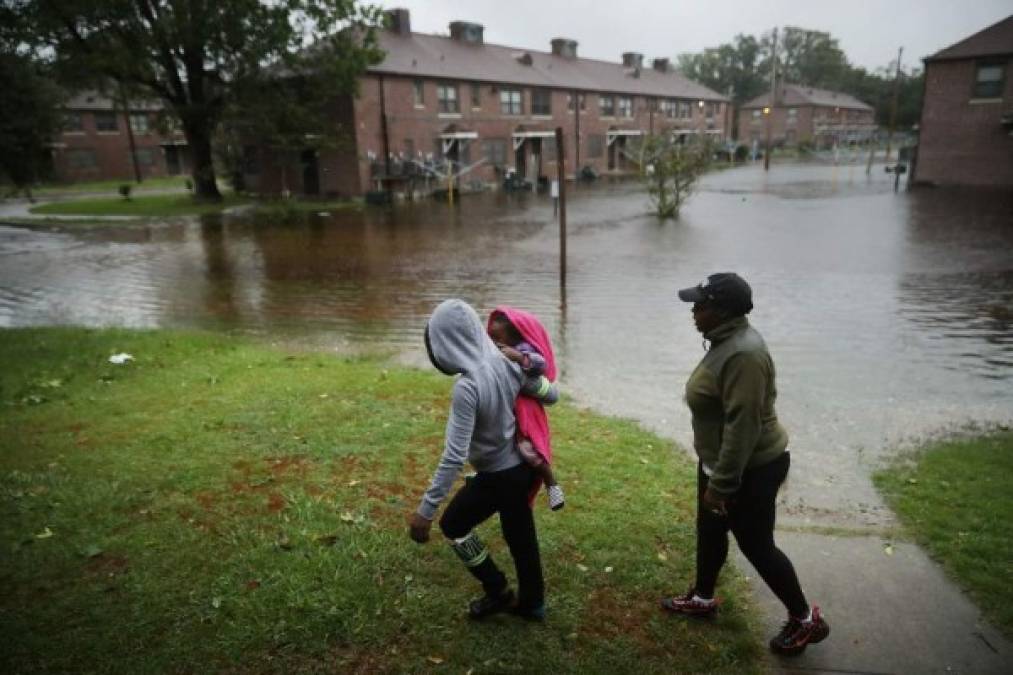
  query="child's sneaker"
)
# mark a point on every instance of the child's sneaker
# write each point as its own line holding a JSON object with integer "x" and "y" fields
{"x": 690, "y": 604}
{"x": 556, "y": 500}
{"x": 797, "y": 634}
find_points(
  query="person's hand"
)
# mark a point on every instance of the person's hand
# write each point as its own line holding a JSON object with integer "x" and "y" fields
{"x": 418, "y": 528}
{"x": 714, "y": 503}
{"x": 511, "y": 353}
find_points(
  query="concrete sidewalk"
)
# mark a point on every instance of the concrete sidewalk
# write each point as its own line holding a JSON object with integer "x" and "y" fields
{"x": 894, "y": 613}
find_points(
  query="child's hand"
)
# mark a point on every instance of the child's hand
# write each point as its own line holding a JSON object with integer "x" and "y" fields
{"x": 511, "y": 353}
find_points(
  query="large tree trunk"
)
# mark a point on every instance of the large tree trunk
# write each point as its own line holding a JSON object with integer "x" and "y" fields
{"x": 198, "y": 137}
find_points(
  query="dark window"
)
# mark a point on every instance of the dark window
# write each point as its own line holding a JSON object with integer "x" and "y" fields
{"x": 446, "y": 97}
{"x": 106, "y": 121}
{"x": 606, "y": 106}
{"x": 595, "y": 146}
{"x": 495, "y": 151}
{"x": 685, "y": 110}
{"x": 476, "y": 96}
{"x": 418, "y": 91}
{"x": 988, "y": 80}
{"x": 73, "y": 121}
{"x": 581, "y": 98}
{"x": 511, "y": 102}
{"x": 541, "y": 102}
{"x": 82, "y": 158}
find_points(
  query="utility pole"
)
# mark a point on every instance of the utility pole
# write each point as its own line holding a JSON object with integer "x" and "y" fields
{"x": 893, "y": 108}
{"x": 130, "y": 132}
{"x": 773, "y": 95}
{"x": 561, "y": 176}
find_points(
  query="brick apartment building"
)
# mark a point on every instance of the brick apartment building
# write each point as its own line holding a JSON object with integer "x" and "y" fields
{"x": 966, "y": 128}
{"x": 494, "y": 108}
{"x": 95, "y": 142}
{"x": 806, "y": 115}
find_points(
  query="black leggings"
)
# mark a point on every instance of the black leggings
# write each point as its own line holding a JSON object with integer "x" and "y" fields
{"x": 751, "y": 519}
{"x": 505, "y": 492}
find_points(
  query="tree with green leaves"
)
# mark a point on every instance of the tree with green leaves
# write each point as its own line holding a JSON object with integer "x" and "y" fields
{"x": 198, "y": 56}
{"x": 29, "y": 118}
{"x": 670, "y": 168}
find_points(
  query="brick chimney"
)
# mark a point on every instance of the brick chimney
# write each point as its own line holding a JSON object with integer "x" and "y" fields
{"x": 633, "y": 60}
{"x": 399, "y": 21}
{"x": 661, "y": 65}
{"x": 466, "y": 31}
{"x": 564, "y": 47}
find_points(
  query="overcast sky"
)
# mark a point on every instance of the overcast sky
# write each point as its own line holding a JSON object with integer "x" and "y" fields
{"x": 869, "y": 31}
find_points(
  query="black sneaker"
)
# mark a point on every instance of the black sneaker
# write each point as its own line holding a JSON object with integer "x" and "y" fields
{"x": 688, "y": 605}
{"x": 488, "y": 605}
{"x": 795, "y": 635}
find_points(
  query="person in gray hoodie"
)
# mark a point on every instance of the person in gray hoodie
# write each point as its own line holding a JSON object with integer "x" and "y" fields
{"x": 481, "y": 430}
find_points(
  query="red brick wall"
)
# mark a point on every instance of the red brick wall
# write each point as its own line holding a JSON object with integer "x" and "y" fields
{"x": 961, "y": 140}
{"x": 422, "y": 125}
{"x": 751, "y": 128}
{"x": 111, "y": 150}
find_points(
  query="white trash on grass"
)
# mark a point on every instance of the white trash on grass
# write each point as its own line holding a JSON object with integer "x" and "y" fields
{"x": 120, "y": 359}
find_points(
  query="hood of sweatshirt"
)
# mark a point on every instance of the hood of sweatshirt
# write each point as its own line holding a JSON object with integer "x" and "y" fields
{"x": 456, "y": 339}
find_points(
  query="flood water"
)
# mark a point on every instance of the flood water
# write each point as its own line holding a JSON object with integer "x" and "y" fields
{"x": 889, "y": 316}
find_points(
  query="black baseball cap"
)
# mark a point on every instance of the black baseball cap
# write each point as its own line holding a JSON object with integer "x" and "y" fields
{"x": 725, "y": 289}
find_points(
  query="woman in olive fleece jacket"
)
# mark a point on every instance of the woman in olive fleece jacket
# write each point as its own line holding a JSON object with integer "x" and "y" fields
{"x": 743, "y": 459}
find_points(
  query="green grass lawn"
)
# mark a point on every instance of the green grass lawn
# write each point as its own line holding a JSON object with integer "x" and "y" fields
{"x": 956, "y": 497}
{"x": 141, "y": 206}
{"x": 219, "y": 506}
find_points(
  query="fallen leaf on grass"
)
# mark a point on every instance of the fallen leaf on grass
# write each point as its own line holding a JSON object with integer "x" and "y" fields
{"x": 582, "y": 568}
{"x": 353, "y": 483}
{"x": 92, "y": 551}
{"x": 216, "y": 602}
{"x": 284, "y": 542}
{"x": 662, "y": 556}
{"x": 609, "y": 569}
{"x": 45, "y": 534}
{"x": 252, "y": 585}
{"x": 436, "y": 660}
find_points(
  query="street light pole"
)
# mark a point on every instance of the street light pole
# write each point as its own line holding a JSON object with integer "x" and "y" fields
{"x": 773, "y": 93}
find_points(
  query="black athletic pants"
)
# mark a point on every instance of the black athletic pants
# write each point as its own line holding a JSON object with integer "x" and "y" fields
{"x": 504, "y": 492}
{"x": 751, "y": 519}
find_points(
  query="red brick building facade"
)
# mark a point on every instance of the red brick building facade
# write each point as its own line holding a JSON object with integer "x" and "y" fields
{"x": 493, "y": 111}
{"x": 966, "y": 128}
{"x": 95, "y": 143}
{"x": 803, "y": 114}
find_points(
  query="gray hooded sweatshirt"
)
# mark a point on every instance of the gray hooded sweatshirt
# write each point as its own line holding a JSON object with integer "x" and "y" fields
{"x": 481, "y": 426}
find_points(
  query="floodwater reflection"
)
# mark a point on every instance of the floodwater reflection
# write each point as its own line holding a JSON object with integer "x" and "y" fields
{"x": 889, "y": 315}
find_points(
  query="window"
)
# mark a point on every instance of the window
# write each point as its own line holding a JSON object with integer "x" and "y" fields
{"x": 606, "y": 106}
{"x": 476, "y": 96}
{"x": 446, "y": 98}
{"x": 511, "y": 102}
{"x": 625, "y": 104}
{"x": 82, "y": 158}
{"x": 793, "y": 112}
{"x": 988, "y": 81}
{"x": 756, "y": 114}
{"x": 710, "y": 110}
{"x": 419, "y": 93}
{"x": 595, "y": 147}
{"x": 139, "y": 123}
{"x": 106, "y": 121}
{"x": 685, "y": 110}
{"x": 72, "y": 121}
{"x": 495, "y": 151}
{"x": 145, "y": 156}
{"x": 569, "y": 102}
{"x": 541, "y": 102}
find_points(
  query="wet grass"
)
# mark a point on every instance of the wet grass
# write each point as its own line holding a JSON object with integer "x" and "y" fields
{"x": 112, "y": 186}
{"x": 956, "y": 498}
{"x": 161, "y": 205}
{"x": 215, "y": 505}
